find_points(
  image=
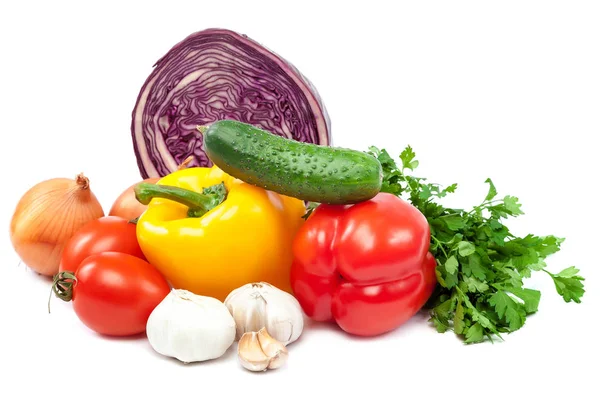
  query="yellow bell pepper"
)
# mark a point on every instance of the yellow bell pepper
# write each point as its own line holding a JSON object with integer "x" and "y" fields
{"x": 246, "y": 238}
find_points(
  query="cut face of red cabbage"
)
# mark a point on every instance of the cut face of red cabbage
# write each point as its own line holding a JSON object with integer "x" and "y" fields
{"x": 219, "y": 74}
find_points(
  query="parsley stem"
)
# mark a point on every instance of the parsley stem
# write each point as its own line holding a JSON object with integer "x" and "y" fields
{"x": 406, "y": 180}
{"x": 439, "y": 245}
{"x": 548, "y": 272}
{"x": 452, "y": 214}
{"x": 483, "y": 205}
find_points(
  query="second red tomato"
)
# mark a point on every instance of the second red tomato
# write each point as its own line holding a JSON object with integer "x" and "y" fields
{"x": 97, "y": 236}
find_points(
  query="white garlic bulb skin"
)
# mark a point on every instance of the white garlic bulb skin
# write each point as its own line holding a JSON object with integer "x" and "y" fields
{"x": 190, "y": 327}
{"x": 261, "y": 305}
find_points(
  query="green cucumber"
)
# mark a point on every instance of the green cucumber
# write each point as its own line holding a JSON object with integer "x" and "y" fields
{"x": 305, "y": 171}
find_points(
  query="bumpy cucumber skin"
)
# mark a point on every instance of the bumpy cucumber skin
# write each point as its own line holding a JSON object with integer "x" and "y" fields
{"x": 305, "y": 171}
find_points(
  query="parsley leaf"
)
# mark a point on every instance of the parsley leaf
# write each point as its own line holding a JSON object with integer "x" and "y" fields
{"x": 481, "y": 264}
{"x": 408, "y": 158}
{"x": 473, "y": 267}
{"x": 492, "y": 192}
{"x": 512, "y": 205}
{"x": 474, "y": 334}
{"x": 465, "y": 248}
{"x": 568, "y": 284}
{"x": 451, "y": 265}
{"x": 475, "y": 285}
{"x": 512, "y": 312}
{"x": 530, "y": 297}
{"x": 454, "y": 223}
{"x": 440, "y": 314}
{"x": 459, "y": 318}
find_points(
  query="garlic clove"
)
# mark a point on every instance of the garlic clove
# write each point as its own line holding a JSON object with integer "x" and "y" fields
{"x": 253, "y": 314}
{"x": 247, "y": 305}
{"x": 274, "y": 349}
{"x": 250, "y": 354}
{"x": 261, "y": 305}
{"x": 285, "y": 320}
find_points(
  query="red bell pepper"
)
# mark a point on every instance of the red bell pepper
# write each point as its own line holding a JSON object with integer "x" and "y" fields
{"x": 365, "y": 266}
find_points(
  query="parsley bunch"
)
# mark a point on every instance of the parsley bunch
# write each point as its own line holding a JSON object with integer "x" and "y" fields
{"x": 481, "y": 265}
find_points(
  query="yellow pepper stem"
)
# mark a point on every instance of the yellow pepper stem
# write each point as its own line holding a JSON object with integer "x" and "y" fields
{"x": 198, "y": 203}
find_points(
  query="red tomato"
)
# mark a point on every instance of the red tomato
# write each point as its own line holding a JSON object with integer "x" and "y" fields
{"x": 97, "y": 236}
{"x": 115, "y": 293}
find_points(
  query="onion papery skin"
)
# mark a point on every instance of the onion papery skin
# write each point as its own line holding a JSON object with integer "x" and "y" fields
{"x": 126, "y": 205}
{"x": 47, "y": 216}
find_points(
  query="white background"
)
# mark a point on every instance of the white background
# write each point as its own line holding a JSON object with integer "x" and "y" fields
{"x": 508, "y": 90}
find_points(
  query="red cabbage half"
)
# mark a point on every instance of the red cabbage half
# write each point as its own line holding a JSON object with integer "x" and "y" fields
{"x": 219, "y": 74}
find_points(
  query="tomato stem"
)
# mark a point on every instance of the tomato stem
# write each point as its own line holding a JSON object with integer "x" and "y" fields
{"x": 62, "y": 286}
{"x": 198, "y": 203}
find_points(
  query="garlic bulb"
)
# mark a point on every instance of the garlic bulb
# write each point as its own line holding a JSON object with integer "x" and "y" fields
{"x": 262, "y": 305}
{"x": 190, "y": 328}
{"x": 259, "y": 351}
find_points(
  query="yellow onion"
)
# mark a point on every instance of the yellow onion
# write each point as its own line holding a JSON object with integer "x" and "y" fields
{"x": 126, "y": 205}
{"x": 47, "y": 216}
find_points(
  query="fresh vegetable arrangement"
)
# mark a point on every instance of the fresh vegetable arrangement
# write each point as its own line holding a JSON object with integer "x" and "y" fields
{"x": 246, "y": 221}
